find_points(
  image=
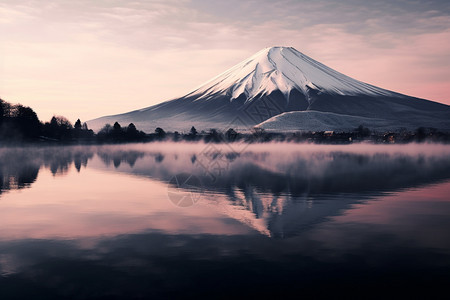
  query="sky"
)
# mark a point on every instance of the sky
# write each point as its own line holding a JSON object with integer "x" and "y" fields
{"x": 89, "y": 58}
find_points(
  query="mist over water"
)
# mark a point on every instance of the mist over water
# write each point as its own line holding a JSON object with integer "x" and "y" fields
{"x": 104, "y": 221}
{"x": 307, "y": 168}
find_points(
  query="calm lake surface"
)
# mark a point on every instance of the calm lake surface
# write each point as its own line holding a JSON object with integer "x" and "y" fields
{"x": 220, "y": 221}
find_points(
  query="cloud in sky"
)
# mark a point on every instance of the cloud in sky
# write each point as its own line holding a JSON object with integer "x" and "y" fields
{"x": 92, "y": 58}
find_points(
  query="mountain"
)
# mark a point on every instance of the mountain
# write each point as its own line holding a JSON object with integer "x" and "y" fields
{"x": 280, "y": 88}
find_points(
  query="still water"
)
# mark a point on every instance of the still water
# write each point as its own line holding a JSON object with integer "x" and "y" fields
{"x": 220, "y": 221}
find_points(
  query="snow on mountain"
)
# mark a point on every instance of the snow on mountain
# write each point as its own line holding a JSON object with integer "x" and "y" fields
{"x": 311, "y": 120}
{"x": 283, "y": 69}
{"x": 278, "y": 80}
{"x": 321, "y": 121}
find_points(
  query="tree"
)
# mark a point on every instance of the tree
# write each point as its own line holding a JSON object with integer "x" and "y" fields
{"x": 54, "y": 122}
{"x": 27, "y": 121}
{"x": 18, "y": 122}
{"x": 5, "y": 109}
{"x": 77, "y": 125}
{"x": 160, "y": 133}
{"x": 213, "y": 136}
{"x": 81, "y": 131}
{"x": 231, "y": 135}
{"x": 132, "y": 133}
{"x": 193, "y": 131}
{"x": 131, "y": 128}
{"x": 63, "y": 122}
{"x": 105, "y": 133}
{"x": 105, "y": 129}
{"x": 117, "y": 127}
{"x": 176, "y": 136}
{"x": 117, "y": 132}
{"x": 58, "y": 128}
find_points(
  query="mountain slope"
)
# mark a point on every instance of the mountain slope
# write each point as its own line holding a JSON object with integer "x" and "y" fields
{"x": 320, "y": 121}
{"x": 284, "y": 69}
{"x": 277, "y": 80}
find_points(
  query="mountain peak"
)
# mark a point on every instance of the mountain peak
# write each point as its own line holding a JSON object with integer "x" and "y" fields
{"x": 277, "y": 48}
{"x": 291, "y": 91}
{"x": 283, "y": 69}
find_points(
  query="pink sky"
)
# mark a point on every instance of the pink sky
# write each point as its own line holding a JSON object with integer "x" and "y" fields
{"x": 87, "y": 59}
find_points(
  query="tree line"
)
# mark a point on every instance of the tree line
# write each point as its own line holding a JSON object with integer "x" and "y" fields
{"x": 20, "y": 123}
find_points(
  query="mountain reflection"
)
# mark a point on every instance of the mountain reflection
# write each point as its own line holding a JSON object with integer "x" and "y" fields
{"x": 277, "y": 193}
{"x": 347, "y": 219}
{"x": 280, "y": 194}
{"x": 312, "y": 174}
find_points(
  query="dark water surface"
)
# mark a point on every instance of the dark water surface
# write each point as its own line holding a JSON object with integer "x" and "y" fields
{"x": 208, "y": 221}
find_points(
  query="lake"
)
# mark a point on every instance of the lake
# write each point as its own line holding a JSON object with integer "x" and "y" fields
{"x": 180, "y": 220}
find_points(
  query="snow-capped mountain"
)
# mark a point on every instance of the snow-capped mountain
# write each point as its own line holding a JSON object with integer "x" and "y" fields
{"x": 277, "y": 80}
{"x": 283, "y": 69}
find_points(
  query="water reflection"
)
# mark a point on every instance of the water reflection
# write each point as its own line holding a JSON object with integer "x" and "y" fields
{"x": 19, "y": 167}
{"x": 277, "y": 194}
{"x": 120, "y": 156}
{"x": 97, "y": 223}
{"x": 14, "y": 176}
{"x": 281, "y": 194}
{"x": 296, "y": 173}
